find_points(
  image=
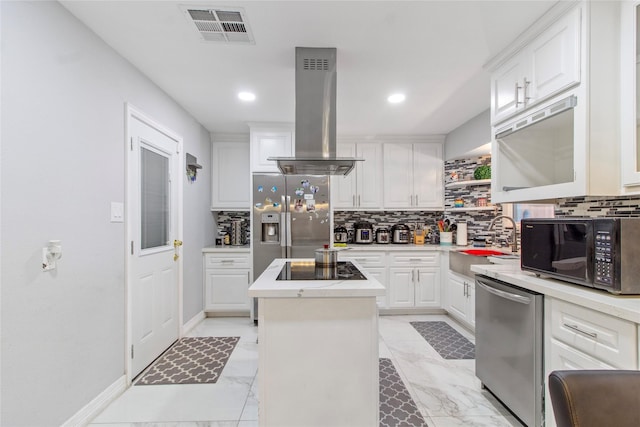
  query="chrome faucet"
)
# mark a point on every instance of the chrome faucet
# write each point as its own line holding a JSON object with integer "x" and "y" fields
{"x": 514, "y": 233}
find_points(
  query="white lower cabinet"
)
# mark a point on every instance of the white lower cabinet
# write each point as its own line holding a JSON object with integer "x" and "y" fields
{"x": 414, "y": 280}
{"x": 581, "y": 338}
{"x": 460, "y": 298}
{"x": 375, "y": 263}
{"x": 227, "y": 277}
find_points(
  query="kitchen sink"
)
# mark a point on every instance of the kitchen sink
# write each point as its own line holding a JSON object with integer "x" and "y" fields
{"x": 482, "y": 252}
{"x": 461, "y": 261}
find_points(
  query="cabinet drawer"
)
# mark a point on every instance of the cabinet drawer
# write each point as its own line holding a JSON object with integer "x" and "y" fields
{"x": 365, "y": 259}
{"x": 227, "y": 260}
{"x": 607, "y": 338}
{"x": 564, "y": 357}
{"x": 415, "y": 259}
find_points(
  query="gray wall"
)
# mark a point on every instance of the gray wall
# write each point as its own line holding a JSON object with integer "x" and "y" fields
{"x": 63, "y": 157}
{"x": 466, "y": 140}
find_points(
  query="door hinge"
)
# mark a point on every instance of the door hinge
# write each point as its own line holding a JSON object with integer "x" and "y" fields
{"x": 132, "y": 351}
{"x": 132, "y": 247}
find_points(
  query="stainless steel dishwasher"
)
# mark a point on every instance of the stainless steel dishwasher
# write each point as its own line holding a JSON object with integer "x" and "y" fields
{"x": 509, "y": 322}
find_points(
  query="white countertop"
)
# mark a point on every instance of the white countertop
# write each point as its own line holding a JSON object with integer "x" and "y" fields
{"x": 624, "y": 307}
{"x": 266, "y": 285}
{"x": 226, "y": 248}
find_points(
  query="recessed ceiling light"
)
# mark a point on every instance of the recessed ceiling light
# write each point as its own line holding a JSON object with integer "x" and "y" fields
{"x": 247, "y": 96}
{"x": 396, "y": 98}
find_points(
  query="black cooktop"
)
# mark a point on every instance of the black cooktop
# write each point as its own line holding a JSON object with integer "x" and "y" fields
{"x": 307, "y": 270}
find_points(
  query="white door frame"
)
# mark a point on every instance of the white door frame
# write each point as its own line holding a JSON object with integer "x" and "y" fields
{"x": 133, "y": 113}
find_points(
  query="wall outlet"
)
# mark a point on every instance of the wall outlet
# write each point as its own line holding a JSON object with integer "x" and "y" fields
{"x": 117, "y": 212}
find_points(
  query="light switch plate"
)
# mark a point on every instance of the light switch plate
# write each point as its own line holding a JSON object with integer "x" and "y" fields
{"x": 117, "y": 212}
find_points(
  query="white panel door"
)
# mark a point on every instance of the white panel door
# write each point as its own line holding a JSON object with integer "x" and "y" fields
{"x": 230, "y": 175}
{"x": 506, "y": 89}
{"x": 343, "y": 192}
{"x": 153, "y": 220}
{"x": 427, "y": 284}
{"x": 555, "y": 58}
{"x": 428, "y": 172}
{"x": 269, "y": 144}
{"x": 398, "y": 175}
{"x": 369, "y": 173}
{"x": 401, "y": 288}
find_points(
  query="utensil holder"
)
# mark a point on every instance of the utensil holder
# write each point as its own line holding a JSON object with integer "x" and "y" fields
{"x": 446, "y": 238}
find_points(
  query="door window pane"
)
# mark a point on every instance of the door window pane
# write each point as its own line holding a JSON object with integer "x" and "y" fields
{"x": 154, "y": 180}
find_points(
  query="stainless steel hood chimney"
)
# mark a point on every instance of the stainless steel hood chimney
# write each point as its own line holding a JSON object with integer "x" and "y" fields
{"x": 315, "y": 138}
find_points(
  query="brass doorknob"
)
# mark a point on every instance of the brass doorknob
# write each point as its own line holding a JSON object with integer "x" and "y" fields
{"x": 177, "y": 243}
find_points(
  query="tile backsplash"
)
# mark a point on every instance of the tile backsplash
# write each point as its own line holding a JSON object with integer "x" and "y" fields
{"x": 625, "y": 206}
{"x": 224, "y": 219}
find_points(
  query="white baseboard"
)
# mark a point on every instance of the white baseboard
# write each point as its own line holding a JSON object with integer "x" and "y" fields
{"x": 187, "y": 327}
{"x": 91, "y": 410}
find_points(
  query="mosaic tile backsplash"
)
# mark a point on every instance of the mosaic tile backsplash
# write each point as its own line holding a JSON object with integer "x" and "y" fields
{"x": 624, "y": 206}
{"x": 224, "y": 219}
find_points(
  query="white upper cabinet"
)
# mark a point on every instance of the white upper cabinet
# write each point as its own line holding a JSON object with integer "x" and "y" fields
{"x": 270, "y": 141}
{"x": 547, "y": 65}
{"x": 362, "y": 188}
{"x": 230, "y": 175}
{"x": 413, "y": 176}
{"x": 630, "y": 95}
{"x": 559, "y": 133}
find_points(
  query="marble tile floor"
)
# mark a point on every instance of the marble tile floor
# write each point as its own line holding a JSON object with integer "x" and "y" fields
{"x": 446, "y": 392}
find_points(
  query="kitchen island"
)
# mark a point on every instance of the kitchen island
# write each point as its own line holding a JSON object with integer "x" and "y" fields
{"x": 318, "y": 349}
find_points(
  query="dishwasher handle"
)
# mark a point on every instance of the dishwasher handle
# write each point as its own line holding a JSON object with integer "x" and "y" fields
{"x": 507, "y": 295}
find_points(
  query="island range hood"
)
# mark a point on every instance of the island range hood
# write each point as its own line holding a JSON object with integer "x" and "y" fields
{"x": 315, "y": 137}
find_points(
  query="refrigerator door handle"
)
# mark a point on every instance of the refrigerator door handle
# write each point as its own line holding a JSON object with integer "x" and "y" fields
{"x": 288, "y": 226}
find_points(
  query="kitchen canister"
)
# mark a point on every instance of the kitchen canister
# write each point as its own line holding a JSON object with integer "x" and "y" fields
{"x": 461, "y": 234}
{"x": 446, "y": 238}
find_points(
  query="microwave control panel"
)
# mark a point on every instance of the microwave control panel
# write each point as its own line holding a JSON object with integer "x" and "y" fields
{"x": 605, "y": 243}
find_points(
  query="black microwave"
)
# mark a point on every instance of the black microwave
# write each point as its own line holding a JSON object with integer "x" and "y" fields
{"x": 601, "y": 253}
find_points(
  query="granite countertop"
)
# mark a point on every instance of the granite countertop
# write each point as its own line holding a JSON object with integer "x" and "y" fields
{"x": 226, "y": 248}
{"x": 624, "y": 307}
{"x": 266, "y": 285}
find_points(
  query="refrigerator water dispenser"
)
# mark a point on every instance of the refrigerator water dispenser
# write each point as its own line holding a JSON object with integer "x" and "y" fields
{"x": 270, "y": 228}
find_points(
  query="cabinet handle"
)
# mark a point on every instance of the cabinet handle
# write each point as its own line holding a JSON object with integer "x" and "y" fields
{"x": 517, "y": 88}
{"x": 226, "y": 261}
{"x": 358, "y": 200}
{"x": 413, "y": 276}
{"x": 417, "y": 200}
{"x": 415, "y": 259}
{"x": 411, "y": 200}
{"x": 577, "y": 329}
{"x": 418, "y": 276}
{"x": 464, "y": 292}
{"x": 248, "y": 278}
{"x": 526, "y": 89}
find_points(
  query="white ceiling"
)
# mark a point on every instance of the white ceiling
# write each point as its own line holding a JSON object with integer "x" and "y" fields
{"x": 434, "y": 51}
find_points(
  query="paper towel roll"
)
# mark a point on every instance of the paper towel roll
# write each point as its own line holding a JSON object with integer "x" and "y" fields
{"x": 461, "y": 234}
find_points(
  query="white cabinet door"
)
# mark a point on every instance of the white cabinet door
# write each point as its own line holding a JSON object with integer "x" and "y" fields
{"x": 230, "y": 175}
{"x": 630, "y": 98}
{"x": 401, "y": 287}
{"x": 265, "y": 144}
{"x": 555, "y": 58}
{"x": 506, "y": 92}
{"x": 427, "y": 287}
{"x": 428, "y": 172}
{"x": 381, "y": 276}
{"x": 398, "y": 175}
{"x": 456, "y": 296}
{"x": 343, "y": 192}
{"x": 369, "y": 176}
{"x": 226, "y": 290}
{"x": 471, "y": 303}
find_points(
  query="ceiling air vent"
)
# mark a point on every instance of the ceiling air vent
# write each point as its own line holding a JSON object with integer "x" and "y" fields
{"x": 227, "y": 25}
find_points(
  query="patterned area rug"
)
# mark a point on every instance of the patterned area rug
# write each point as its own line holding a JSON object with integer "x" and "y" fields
{"x": 191, "y": 360}
{"x": 445, "y": 340}
{"x": 397, "y": 408}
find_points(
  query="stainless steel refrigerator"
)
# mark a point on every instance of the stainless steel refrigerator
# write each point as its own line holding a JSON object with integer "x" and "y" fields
{"x": 291, "y": 218}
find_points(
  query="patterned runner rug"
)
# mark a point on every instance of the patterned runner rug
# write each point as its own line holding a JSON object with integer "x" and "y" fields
{"x": 445, "y": 340}
{"x": 397, "y": 408}
{"x": 191, "y": 360}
